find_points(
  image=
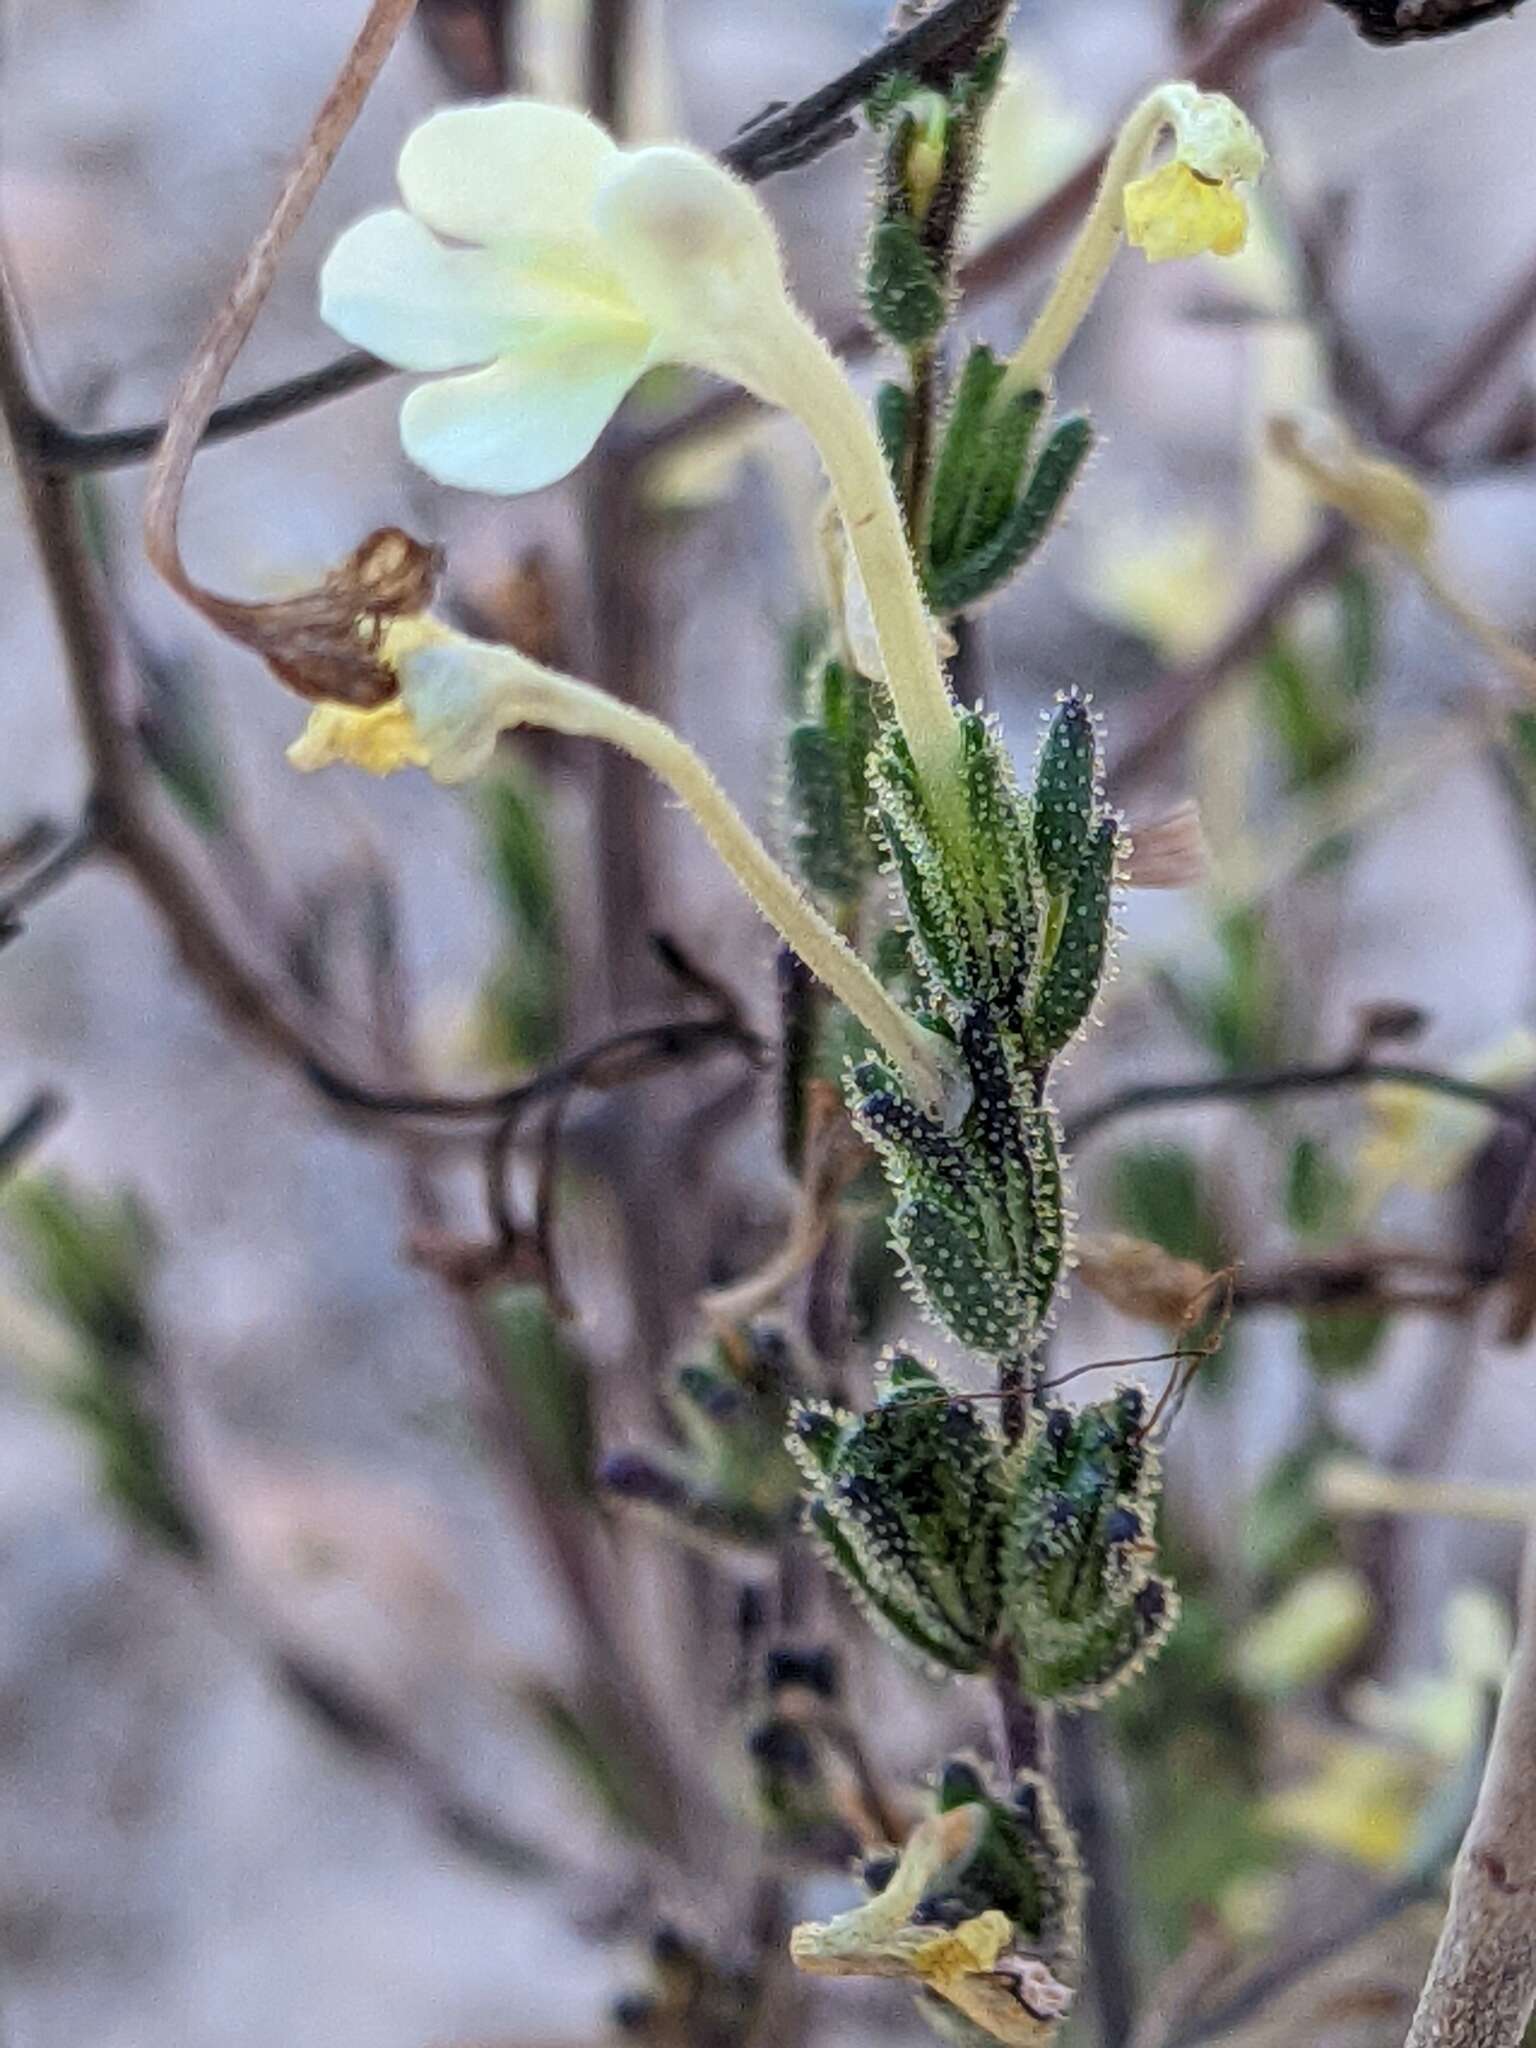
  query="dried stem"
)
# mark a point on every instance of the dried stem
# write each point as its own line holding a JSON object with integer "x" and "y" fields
{"x": 1481, "y": 1987}
{"x": 1353, "y": 1072}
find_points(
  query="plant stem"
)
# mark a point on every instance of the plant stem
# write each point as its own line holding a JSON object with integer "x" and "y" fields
{"x": 1481, "y": 1988}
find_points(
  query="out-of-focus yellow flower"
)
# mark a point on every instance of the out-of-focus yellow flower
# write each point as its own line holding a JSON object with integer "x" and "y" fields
{"x": 1307, "y": 1634}
{"x": 1390, "y": 505}
{"x": 1445, "y": 1712}
{"x": 1362, "y": 1803}
{"x": 1173, "y": 584}
{"x": 1173, "y": 212}
{"x": 1382, "y": 498}
{"x": 1417, "y": 1139}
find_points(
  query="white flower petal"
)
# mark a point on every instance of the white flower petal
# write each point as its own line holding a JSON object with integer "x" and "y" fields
{"x": 529, "y": 419}
{"x": 505, "y": 168}
{"x": 390, "y": 286}
{"x": 456, "y": 694}
{"x": 696, "y": 251}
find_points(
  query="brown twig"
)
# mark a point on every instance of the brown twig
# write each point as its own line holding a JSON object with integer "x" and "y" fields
{"x": 67, "y": 853}
{"x": 1351, "y": 1072}
{"x": 28, "y": 1128}
{"x": 1481, "y": 1987}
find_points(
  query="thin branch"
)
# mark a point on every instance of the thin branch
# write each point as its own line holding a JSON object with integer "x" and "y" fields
{"x": 28, "y": 1128}
{"x": 1352, "y": 1072}
{"x": 50, "y": 445}
{"x": 56, "y": 866}
{"x": 1266, "y": 1985}
{"x": 1110, "y": 1975}
{"x": 1481, "y": 1988}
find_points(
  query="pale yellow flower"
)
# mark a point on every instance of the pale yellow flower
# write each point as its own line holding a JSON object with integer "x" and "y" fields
{"x": 1174, "y": 212}
{"x": 1191, "y": 205}
{"x": 1362, "y": 1803}
{"x": 1416, "y": 1139}
{"x": 538, "y": 270}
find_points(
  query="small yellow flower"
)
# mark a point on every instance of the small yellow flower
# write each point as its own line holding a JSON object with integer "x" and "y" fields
{"x": 379, "y": 741}
{"x": 1189, "y": 206}
{"x": 1174, "y": 212}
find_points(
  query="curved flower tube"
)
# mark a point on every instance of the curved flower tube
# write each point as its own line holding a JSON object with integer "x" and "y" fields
{"x": 1391, "y": 506}
{"x": 1188, "y": 206}
{"x": 458, "y": 694}
{"x": 579, "y": 266}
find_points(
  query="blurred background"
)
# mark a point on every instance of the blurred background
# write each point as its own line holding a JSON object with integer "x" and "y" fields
{"x": 326, "y": 1771}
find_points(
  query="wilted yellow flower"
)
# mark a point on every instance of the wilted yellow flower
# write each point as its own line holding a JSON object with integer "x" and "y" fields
{"x": 1173, "y": 211}
{"x": 1012, "y": 1998}
{"x": 379, "y": 741}
{"x": 458, "y": 695}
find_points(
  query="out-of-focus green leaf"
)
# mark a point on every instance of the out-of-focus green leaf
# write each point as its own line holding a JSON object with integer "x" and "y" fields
{"x": 548, "y": 1381}
{"x": 177, "y": 732}
{"x": 522, "y": 1001}
{"x": 1316, "y": 740}
{"x": 1359, "y": 603}
{"x": 1344, "y": 1342}
{"x": 1317, "y": 1192}
{"x": 91, "y": 1258}
{"x": 1158, "y": 1194}
{"x": 1284, "y": 1531}
{"x": 591, "y": 1753}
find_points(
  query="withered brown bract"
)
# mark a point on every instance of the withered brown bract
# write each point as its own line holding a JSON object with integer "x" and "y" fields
{"x": 1402, "y": 21}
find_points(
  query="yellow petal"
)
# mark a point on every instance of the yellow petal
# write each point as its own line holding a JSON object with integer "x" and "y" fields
{"x": 379, "y": 741}
{"x": 973, "y": 1945}
{"x": 1175, "y": 212}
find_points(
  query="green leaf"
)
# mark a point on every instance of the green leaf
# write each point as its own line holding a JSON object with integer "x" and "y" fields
{"x": 960, "y": 452}
{"x": 1158, "y": 1193}
{"x": 893, "y": 424}
{"x": 901, "y": 288}
{"x": 1317, "y": 1192}
{"x": 548, "y": 1382}
{"x": 1284, "y": 1532}
{"x": 1317, "y": 740}
{"x": 989, "y": 567}
{"x": 1359, "y": 603}
{"x": 1343, "y": 1343}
